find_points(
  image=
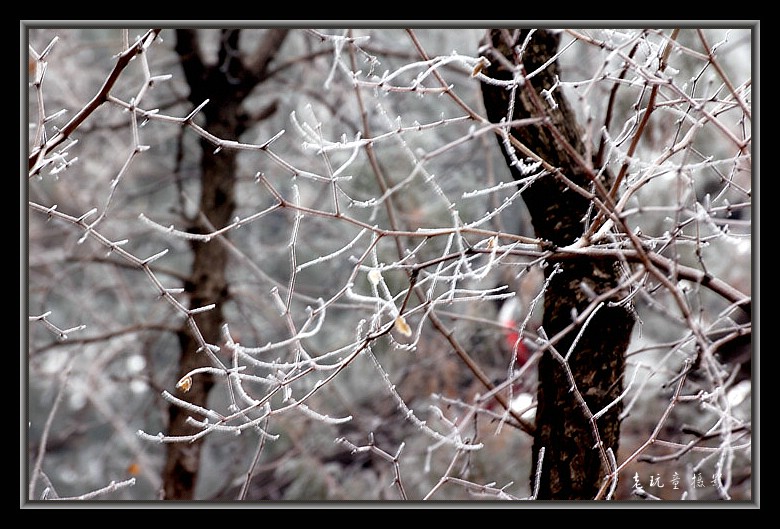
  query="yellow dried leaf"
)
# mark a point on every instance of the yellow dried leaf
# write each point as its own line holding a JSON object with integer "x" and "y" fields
{"x": 403, "y": 327}
{"x": 481, "y": 65}
{"x": 184, "y": 384}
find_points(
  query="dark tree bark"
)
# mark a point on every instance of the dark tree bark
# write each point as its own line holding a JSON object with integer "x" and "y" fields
{"x": 226, "y": 84}
{"x": 574, "y": 464}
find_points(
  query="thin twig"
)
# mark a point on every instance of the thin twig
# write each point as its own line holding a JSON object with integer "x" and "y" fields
{"x": 36, "y": 470}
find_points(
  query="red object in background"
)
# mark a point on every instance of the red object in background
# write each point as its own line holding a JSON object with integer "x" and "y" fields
{"x": 508, "y": 316}
{"x": 514, "y": 341}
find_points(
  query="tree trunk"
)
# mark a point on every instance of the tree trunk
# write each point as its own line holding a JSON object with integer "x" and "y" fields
{"x": 574, "y": 463}
{"x": 226, "y": 84}
{"x": 207, "y": 284}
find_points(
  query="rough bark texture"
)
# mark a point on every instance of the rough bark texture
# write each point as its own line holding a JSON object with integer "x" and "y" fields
{"x": 207, "y": 284}
{"x": 225, "y": 84}
{"x": 573, "y": 466}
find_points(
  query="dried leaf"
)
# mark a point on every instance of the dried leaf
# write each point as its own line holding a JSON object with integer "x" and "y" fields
{"x": 403, "y": 327}
{"x": 184, "y": 384}
{"x": 481, "y": 65}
